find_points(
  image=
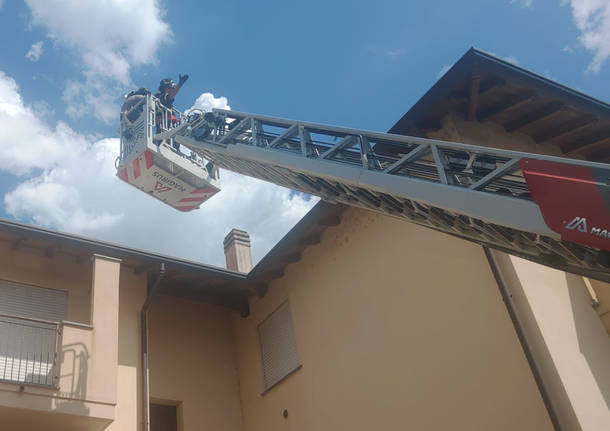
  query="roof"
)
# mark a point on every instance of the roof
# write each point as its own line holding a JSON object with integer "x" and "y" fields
{"x": 483, "y": 87}
{"x": 308, "y": 231}
{"x": 186, "y": 278}
{"x": 183, "y": 278}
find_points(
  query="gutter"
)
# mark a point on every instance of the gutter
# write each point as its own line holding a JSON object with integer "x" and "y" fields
{"x": 113, "y": 250}
{"x": 144, "y": 325}
{"x": 506, "y": 297}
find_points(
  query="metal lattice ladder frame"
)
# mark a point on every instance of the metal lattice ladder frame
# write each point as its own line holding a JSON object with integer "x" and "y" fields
{"x": 419, "y": 182}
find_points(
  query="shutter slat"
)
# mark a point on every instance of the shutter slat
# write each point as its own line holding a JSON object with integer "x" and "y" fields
{"x": 278, "y": 346}
{"x": 32, "y": 301}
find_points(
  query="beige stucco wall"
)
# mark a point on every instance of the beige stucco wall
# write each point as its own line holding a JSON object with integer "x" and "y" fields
{"x": 397, "y": 327}
{"x": 102, "y": 367}
{"x": 567, "y": 337}
{"x": 87, "y": 357}
{"x": 192, "y": 351}
{"x": 456, "y": 129}
{"x": 61, "y": 271}
{"x": 129, "y": 384}
{"x": 192, "y": 363}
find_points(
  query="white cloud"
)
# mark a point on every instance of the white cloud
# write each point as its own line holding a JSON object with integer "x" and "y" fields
{"x": 110, "y": 35}
{"x": 592, "y": 17}
{"x": 71, "y": 186}
{"x": 61, "y": 196}
{"x": 109, "y": 38}
{"x": 42, "y": 109}
{"x": 35, "y": 51}
{"x": 206, "y": 102}
{"x": 29, "y": 143}
{"x": 99, "y": 96}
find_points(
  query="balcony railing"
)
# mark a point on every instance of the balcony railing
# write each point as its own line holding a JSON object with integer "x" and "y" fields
{"x": 28, "y": 351}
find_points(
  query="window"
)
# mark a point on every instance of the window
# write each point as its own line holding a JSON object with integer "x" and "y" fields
{"x": 278, "y": 346}
{"x": 25, "y": 300}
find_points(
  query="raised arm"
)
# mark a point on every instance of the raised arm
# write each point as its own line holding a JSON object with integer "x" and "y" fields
{"x": 173, "y": 91}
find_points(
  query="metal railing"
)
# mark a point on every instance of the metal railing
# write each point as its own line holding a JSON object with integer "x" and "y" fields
{"x": 145, "y": 119}
{"x": 478, "y": 193}
{"x": 133, "y": 127}
{"x": 165, "y": 118}
{"x": 28, "y": 351}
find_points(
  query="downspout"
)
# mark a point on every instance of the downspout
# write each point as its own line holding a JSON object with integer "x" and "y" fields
{"x": 506, "y": 297}
{"x": 144, "y": 324}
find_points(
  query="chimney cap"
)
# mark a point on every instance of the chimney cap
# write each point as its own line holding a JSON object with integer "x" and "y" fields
{"x": 236, "y": 236}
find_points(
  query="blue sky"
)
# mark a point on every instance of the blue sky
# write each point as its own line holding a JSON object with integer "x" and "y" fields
{"x": 350, "y": 63}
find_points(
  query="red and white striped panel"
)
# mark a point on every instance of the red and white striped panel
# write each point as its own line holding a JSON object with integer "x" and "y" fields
{"x": 145, "y": 175}
{"x": 136, "y": 171}
{"x": 198, "y": 197}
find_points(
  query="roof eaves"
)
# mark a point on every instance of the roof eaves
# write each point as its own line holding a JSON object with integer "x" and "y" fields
{"x": 491, "y": 61}
{"x": 110, "y": 249}
{"x": 476, "y": 61}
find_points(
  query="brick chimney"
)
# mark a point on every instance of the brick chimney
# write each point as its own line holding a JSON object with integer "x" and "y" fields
{"x": 237, "y": 251}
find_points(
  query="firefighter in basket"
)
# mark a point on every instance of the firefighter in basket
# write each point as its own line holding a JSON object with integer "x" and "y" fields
{"x": 168, "y": 90}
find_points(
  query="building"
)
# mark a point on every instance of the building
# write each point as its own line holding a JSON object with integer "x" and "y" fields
{"x": 354, "y": 320}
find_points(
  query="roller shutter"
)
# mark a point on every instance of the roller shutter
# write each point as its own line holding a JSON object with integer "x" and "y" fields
{"x": 25, "y": 300}
{"x": 278, "y": 346}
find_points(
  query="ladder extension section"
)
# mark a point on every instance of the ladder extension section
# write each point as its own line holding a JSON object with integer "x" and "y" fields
{"x": 552, "y": 210}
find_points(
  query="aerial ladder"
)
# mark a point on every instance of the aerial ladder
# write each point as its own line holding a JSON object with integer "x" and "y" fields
{"x": 551, "y": 210}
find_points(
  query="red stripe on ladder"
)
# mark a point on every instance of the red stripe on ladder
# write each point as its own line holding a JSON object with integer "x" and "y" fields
{"x": 123, "y": 175}
{"x": 149, "y": 159}
{"x": 136, "y": 168}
